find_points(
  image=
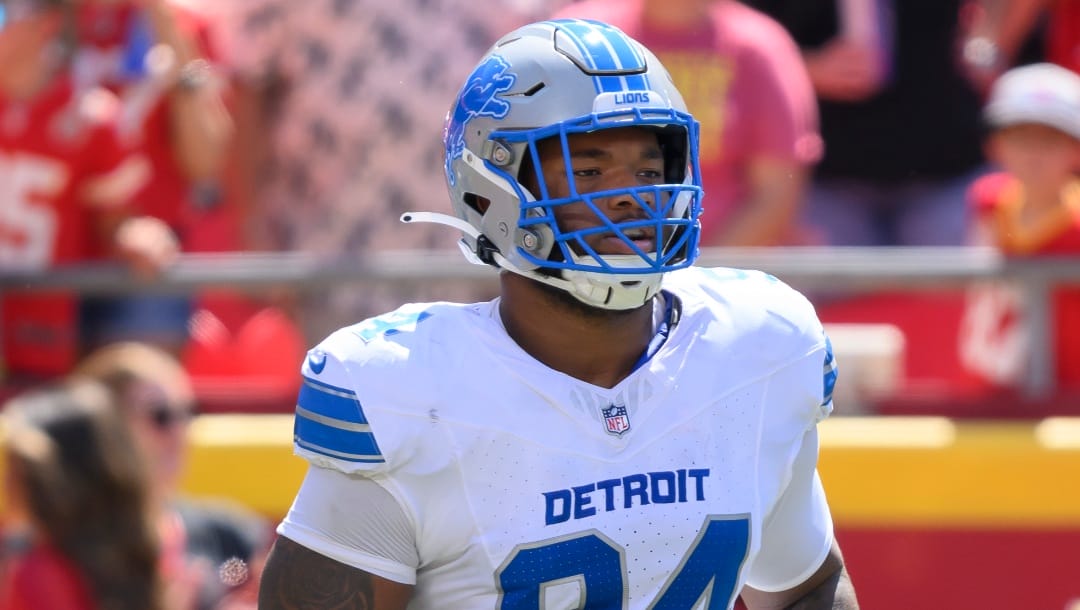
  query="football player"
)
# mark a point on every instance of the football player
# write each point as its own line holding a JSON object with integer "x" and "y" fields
{"x": 618, "y": 429}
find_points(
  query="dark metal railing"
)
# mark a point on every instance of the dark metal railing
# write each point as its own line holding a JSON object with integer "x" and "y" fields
{"x": 832, "y": 269}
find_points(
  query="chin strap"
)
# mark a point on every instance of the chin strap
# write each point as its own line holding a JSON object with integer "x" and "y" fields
{"x": 577, "y": 283}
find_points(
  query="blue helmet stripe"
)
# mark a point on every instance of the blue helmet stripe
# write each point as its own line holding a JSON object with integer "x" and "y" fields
{"x": 628, "y": 57}
{"x": 330, "y": 401}
{"x": 605, "y": 48}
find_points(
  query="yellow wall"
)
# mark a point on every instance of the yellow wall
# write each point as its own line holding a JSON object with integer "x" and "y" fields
{"x": 246, "y": 457}
{"x": 932, "y": 471}
{"x": 877, "y": 471}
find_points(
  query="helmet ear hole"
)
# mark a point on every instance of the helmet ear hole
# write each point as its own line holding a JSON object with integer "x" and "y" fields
{"x": 476, "y": 202}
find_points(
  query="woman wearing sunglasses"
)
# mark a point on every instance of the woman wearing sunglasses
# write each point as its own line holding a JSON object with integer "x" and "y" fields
{"x": 211, "y": 549}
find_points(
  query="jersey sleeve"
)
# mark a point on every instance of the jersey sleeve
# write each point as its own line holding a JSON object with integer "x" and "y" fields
{"x": 830, "y": 372}
{"x": 777, "y": 329}
{"x": 360, "y": 408}
{"x": 810, "y": 360}
{"x": 330, "y": 427}
{"x": 362, "y": 421}
{"x": 815, "y": 371}
{"x": 798, "y": 532}
{"x": 378, "y": 539}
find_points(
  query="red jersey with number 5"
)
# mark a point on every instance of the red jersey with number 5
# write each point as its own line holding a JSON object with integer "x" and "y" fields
{"x": 62, "y": 166}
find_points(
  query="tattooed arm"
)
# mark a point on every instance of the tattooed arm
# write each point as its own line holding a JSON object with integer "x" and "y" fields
{"x": 296, "y": 578}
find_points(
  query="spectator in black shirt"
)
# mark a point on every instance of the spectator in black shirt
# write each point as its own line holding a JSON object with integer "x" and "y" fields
{"x": 899, "y": 119}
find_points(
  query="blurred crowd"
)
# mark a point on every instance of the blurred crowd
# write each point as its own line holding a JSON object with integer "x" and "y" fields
{"x": 92, "y": 517}
{"x": 133, "y": 131}
{"x": 136, "y": 131}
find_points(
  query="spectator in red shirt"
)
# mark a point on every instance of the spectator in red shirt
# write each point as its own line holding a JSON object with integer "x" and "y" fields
{"x": 156, "y": 55}
{"x": 1030, "y": 208}
{"x": 77, "y": 534}
{"x": 159, "y": 57}
{"x": 744, "y": 79}
{"x": 67, "y": 184}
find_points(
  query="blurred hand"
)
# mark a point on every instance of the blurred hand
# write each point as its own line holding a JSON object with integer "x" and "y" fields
{"x": 182, "y": 590}
{"x": 845, "y": 70}
{"x": 147, "y": 245}
{"x": 981, "y": 62}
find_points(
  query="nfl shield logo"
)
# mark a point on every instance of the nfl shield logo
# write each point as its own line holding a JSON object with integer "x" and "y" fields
{"x": 616, "y": 421}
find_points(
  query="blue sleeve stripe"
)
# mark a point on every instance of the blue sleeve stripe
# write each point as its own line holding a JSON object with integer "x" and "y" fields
{"x": 330, "y": 402}
{"x": 830, "y": 372}
{"x": 349, "y": 457}
{"x": 326, "y": 387}
{"x": 329, "y": 390}
{"x": 335, "y": 440}
{"x": 330, "y": 421}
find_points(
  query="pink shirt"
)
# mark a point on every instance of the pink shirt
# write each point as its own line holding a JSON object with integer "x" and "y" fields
{"x": 743, "y": 79}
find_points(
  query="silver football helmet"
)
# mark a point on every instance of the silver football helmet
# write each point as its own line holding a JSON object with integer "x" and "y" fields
{"x": 550, "y": 80}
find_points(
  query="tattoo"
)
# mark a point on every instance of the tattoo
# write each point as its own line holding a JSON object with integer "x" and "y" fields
{"x": 296, "y": 578}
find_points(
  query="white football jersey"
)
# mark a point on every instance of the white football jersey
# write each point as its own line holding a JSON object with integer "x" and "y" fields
{"x": 523, "y": 487}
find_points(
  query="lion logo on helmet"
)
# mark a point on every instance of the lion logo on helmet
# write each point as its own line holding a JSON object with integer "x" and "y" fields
{"x": 479, "y": 97}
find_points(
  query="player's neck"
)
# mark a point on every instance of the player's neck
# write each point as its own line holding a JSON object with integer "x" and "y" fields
{"x": 598, "y": 347}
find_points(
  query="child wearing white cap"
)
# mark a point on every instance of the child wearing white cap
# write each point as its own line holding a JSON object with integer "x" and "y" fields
{"x": 1034, "y": 116}
{"x": 1030, "y": 208}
